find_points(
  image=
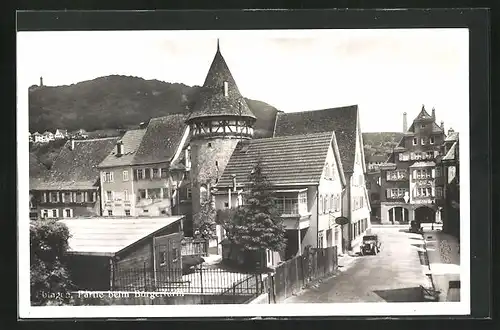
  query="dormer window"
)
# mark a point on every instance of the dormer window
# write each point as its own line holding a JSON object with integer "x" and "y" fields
{"x": 415, "y": 141}
{"x": 423, "y": 141}
{"x": 431, "y": 140}
{"x": 226, "y": 89}
{"x": 422, "y": 126}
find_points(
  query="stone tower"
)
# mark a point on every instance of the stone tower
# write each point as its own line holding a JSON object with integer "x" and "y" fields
{"x": 219, "y": 119}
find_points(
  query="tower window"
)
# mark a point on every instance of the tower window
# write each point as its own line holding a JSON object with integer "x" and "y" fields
{"x": 226, "y": 89}
{"x": 216, "y": 163}
{"x": 415, "y": 141}
{"x": 209, "y": 145}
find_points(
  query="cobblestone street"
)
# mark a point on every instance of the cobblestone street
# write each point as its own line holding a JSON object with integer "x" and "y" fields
{"x": 394, "y": 275}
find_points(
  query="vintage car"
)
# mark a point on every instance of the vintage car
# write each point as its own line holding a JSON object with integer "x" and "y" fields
{"x": 370, "y": 245}
{"x": 415, "y": 227}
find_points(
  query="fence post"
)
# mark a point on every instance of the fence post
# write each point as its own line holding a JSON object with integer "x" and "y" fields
{"x": 201, "y": 278}
{"x": 145, "y": 277}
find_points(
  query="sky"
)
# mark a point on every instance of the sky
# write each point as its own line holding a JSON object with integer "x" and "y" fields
{"x": 385, "y": 72}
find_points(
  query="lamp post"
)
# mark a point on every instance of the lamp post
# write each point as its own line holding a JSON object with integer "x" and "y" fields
{"x": 406, "y": 199}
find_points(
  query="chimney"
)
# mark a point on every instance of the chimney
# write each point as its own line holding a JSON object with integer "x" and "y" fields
{"x": 72, "y": 144}
{"x": 433, "y": 114}
{"x": 442, "y": 125}
{"x": 234, "y": 181}
{"x": 405, "y": 122}
{"x": 41, "y": 81}
{"x": 451, "y": 130}
{"x": 119, "y": 149}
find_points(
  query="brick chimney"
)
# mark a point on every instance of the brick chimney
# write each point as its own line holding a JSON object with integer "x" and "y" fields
{"x": 433, "y": 114}
{"x": 41, "y": 81}
{"x": 405, "y": 122}
{"x": 119, "y": 149}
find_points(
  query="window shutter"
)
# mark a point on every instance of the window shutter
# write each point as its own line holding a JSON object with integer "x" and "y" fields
{"x": 433, "y": 192}
{"x": 387, "y": 194}
{"x": 147, "y": 173}
{"x": 104, "y": 177}
{"x": 433, "y": 173}
{"x": 111, "y": 178}
{"x": 414, "y": 173}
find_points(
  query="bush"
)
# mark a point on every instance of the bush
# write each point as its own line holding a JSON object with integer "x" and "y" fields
{"x": 50, "y": 280}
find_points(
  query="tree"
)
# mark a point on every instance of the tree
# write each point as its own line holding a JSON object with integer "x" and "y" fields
{"x": 50, "y": 280}
{"x": 257, "y": 225}
{"x": 204, "y": 221}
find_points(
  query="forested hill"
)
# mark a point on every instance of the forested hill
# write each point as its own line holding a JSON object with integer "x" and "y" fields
{"x": 116, "y": 102}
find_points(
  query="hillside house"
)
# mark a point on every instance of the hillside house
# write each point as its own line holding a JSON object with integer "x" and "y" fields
{"x": 71, "y": 187}
{"x": 408, "y": 178}
{"x": 38, "y": 138}
{"x": 61, "y": 134}
{"x": 305, "y": 172}
{"x": 49, "y": 136}
{"x": 146, "y": 172}
{"x": 116, "y": 249}
{"x": 344, "y": 122}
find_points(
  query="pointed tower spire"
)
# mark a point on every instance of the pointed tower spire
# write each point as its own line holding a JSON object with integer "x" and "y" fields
{"x": 218, "y": 46}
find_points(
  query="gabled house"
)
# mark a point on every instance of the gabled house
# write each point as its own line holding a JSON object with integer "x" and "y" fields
{"x": 145, "y": 172}
{"x": 409, "y": 177}
{"x": 61, "y": 134}
{"x": 344, "y": 121}
{"x": 305, "y": 172}
{"x": 49, "y": 136}
{"x": 71, "y": 187}
{"x": 38, "y": 138}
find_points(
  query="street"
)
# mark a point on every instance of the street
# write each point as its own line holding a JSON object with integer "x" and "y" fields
{"x": 393, "y": 275}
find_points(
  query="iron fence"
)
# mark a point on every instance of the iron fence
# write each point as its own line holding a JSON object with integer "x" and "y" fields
{"x": 194, "y": 247}
{"x": 209, "y": 281}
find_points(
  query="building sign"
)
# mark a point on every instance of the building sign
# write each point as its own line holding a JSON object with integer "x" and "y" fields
{"x": 341, "y": 221}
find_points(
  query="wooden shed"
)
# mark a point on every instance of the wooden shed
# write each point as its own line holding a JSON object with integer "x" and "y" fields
{"x": 101, "y": 250}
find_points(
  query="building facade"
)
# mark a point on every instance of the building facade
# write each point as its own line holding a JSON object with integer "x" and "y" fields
{"x": 146, "y": 173}
{"x": 450, "y": 183}
{"x": 408, "y": 178}
{"x": 307, "y": 180}
{"x": 71, "y": 187}
{"x": 344, "y": 121}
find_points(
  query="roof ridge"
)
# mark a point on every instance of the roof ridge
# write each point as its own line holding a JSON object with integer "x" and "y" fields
{"x": 96, "y": 139}
{"x": 333, "y": 108}
{"x": 284, "y": 137}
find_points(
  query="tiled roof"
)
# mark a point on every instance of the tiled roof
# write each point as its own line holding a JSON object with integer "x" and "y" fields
{"x": 451, "y": 154}
{"x": 288, "y": 160}
{"x": 452, "y": 136}
{"x": 77, "y": 168}
{"x": 163, "y": 137}
{"x": 423, "y": 164}
{"x": 131, "y": 142}
{"x": 341, "y": 120}
{"x": 211, "y": 100}
{"x": 107, "y": 236}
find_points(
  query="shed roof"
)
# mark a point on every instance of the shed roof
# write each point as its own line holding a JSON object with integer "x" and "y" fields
{"x": 287, "y": 160}
{"x": 108, "y": 236}
{"x": 343, "y": 121}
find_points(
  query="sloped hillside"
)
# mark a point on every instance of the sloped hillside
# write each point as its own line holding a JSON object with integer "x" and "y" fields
{"x": 117, "y": 102}
{"x": 381, "y": 142}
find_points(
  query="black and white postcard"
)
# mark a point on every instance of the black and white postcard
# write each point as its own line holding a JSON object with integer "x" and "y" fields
{"x": 299, "y": 172}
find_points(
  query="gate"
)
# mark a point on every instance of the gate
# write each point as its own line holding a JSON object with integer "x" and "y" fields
{"x": 167, "y": 258}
